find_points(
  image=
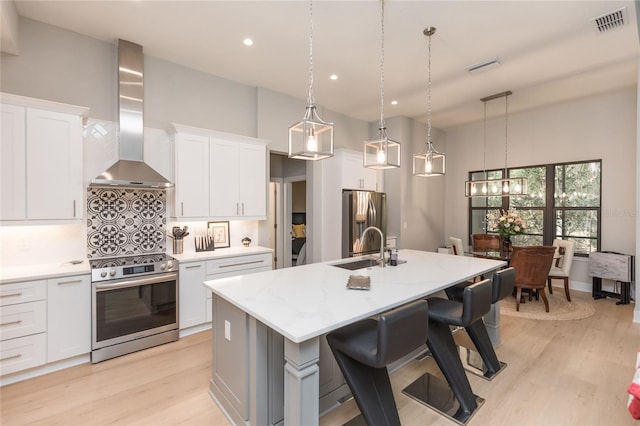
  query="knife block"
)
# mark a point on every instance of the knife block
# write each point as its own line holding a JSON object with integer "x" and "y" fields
{"x": 205, "y": 247}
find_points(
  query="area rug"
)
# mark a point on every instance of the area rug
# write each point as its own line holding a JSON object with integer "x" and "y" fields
{"x": 559, "y": 308}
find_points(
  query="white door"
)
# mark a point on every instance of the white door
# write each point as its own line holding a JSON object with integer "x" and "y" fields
{"x": 12, "y": 163}
{"x": 252, "y": 170}
{"x": 223, "y": 201}
{"x": 192, "y": 176}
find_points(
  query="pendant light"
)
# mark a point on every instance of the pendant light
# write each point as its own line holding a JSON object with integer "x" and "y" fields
{"x": 311, "y": 138}
{"x": 430, "y": 162}
{"x": 505, "y": 186}
{"x": 382, "y": 153}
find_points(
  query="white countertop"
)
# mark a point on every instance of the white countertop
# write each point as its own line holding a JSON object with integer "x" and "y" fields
{"x": 307, "y": 301}
{"x": 9, "y": 274}
{"x": 220, "y": 253}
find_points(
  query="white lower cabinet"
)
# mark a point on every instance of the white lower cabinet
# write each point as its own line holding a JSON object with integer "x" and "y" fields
{"x": 195, "y": 300}
{"x": 23, "y": 325}
{"x": 69, "y": 317}
{"x": 42, "y": 321}
{"x": 192, "y": 294}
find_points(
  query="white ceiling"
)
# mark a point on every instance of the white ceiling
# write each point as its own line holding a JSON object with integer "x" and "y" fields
{"x": 549, "y": 50}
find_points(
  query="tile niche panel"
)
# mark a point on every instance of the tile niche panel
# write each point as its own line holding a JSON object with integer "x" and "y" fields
{"x": 125, "y": 221}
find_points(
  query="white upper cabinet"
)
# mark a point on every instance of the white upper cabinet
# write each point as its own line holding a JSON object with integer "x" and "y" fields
{"x": 219, "y": 175}
{"x": 41, "y": 160}
{"x": 54, "y": 165}
{"x": 349, "y": 166}
{"x": 192, "y": 175}
{"x": 13, "y": 176}
{"x": 238, "y": 180}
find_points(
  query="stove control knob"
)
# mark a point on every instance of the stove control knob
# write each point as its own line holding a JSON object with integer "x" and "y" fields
{"x": 163, "y": 266}
{"x": 170, "y": 264}
{"x": 103, "y": 274}
{"x": 112, "y": 272}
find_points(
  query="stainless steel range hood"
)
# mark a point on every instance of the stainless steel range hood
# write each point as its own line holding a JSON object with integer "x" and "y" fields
{"x": 131, "y": 170}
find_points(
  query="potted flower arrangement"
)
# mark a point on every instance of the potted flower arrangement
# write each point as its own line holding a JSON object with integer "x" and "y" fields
{"x": 506, "y": 223}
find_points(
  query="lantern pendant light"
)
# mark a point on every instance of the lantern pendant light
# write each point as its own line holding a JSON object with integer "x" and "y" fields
{"x": 382, "y": 153}
{"x": 311, "y": 138}
{"x": 505, "y": 186}
{"x": 430, "y": 162}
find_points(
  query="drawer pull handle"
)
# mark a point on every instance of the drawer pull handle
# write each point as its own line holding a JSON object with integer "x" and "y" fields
{"x": 11, "y": 323}
{"x": 241, "y": 264}
{"x": 69, "y": 282}
{"x": 11, "y": 295}
{"x": 192, "y": 266}
{"x": 11, "y": 357}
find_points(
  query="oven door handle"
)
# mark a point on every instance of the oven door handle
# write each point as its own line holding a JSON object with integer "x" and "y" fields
{"x": 136, "y": 282}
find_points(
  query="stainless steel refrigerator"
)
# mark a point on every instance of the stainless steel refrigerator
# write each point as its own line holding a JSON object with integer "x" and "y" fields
{"x": 361, "y": 209}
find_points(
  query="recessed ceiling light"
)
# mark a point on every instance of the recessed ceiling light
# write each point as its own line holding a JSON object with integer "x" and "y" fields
{"x": 333, "y": 77}
{"x": 248, "y": 42}
{"x": 394, "y": 102}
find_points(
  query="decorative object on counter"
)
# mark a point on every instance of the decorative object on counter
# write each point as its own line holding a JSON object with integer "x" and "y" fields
{"x": 382, "y": 153}
{"x": 430, "y": 162}
{"x": 203, "y": 240}
{"x": 311, "y": 138}
{"x": 178, "y": 235}
{"x": 246, "y": 241}
{"x": 506, "y": 223}
{"x": 220, "y": 233}
{"x": 503, "y": 186}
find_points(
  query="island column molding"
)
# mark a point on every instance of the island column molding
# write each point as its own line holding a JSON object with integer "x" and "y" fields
{"x": 301, "y": 382}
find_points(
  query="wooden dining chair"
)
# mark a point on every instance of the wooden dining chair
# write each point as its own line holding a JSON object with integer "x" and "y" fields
{"x": 485, "y": 242}
{"x": 562, "y": 270}
{"x": 532, "y": 265}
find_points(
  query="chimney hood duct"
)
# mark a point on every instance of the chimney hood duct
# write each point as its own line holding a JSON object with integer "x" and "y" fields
{"x": 131, "y": 170}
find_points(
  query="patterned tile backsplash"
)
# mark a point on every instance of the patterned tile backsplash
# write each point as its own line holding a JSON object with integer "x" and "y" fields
{"x": 125, "y": 221}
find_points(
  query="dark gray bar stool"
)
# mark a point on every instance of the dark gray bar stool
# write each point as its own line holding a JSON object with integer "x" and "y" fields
{"x": 365, "y": 348}
{"x": 502, "y": 286}
{"x": 443, "y": 313}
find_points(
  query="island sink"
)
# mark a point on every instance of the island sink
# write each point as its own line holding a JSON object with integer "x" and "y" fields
{"x": 357, "y": 264}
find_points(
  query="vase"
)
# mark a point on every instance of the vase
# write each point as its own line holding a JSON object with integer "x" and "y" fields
{"x": 506, "y": 243}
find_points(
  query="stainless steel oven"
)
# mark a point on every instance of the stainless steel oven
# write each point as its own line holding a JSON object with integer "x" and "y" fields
{"x": 134, "y": 304}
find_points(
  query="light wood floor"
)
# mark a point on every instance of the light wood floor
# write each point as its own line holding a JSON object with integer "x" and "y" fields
{"x": 559, "y": 373}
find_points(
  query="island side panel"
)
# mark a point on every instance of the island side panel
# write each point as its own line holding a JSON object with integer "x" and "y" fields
{"x": 230, "y": 379}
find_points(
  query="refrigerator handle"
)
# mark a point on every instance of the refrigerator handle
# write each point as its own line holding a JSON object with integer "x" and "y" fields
{"x": 372, "y": 214}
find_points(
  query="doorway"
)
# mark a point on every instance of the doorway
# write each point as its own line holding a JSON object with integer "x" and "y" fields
{"x": 287, "y": 211}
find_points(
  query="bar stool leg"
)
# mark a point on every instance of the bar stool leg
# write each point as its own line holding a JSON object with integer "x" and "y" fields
{"x": 371, "y": 389}
{"x": 480, "y": 338}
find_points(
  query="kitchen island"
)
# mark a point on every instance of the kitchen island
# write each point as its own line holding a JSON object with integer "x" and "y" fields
{"x": 302, "y": 304}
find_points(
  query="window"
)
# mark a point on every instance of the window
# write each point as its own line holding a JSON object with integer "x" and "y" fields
{"x": 564, "y": 202}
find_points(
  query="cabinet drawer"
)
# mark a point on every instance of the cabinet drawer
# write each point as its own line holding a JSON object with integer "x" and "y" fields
{"x": 23, "y": 319}
{"x": 22, "y": 353}
{"x": 238, "y": 263}
{"x": 27, "y": 291}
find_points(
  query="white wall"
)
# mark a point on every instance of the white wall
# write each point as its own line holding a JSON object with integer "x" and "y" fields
{"x": 600, "y": 127}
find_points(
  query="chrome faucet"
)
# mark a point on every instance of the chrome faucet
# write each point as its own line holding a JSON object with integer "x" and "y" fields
{"x": 381, "y": 242}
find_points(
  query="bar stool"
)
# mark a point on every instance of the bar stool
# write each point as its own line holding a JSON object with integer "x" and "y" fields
{"x": 364, "y": 349}
{"x": 502, "y": 286}
{"x": 443, "y": 313}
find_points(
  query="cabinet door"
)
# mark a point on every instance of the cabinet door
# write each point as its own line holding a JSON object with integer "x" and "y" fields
{"x": 354, "y": 174}
{"x": 193, "y": 295}
{"x": 192, "y": 176}
{"x": 12, "y": 163}
{"x": 68, "y": 317}
{"x": 54, "y": 165}
{"x": 253, "y": 180}
{"x": 224, "y": 189}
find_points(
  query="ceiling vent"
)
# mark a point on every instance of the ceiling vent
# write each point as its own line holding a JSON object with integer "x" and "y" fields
{"x": 484, "y": 65}
{"x": 610, "y": 21}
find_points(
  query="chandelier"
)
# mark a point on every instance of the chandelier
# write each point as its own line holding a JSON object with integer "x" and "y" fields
{"x": 311, "y": 138}
{"x": 430, "y": 162}
{"x": 504, "y": 186}
{"x": 382, "y": 153}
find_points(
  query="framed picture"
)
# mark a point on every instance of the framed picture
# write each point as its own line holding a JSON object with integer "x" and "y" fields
{"x": 220, "y": 233}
